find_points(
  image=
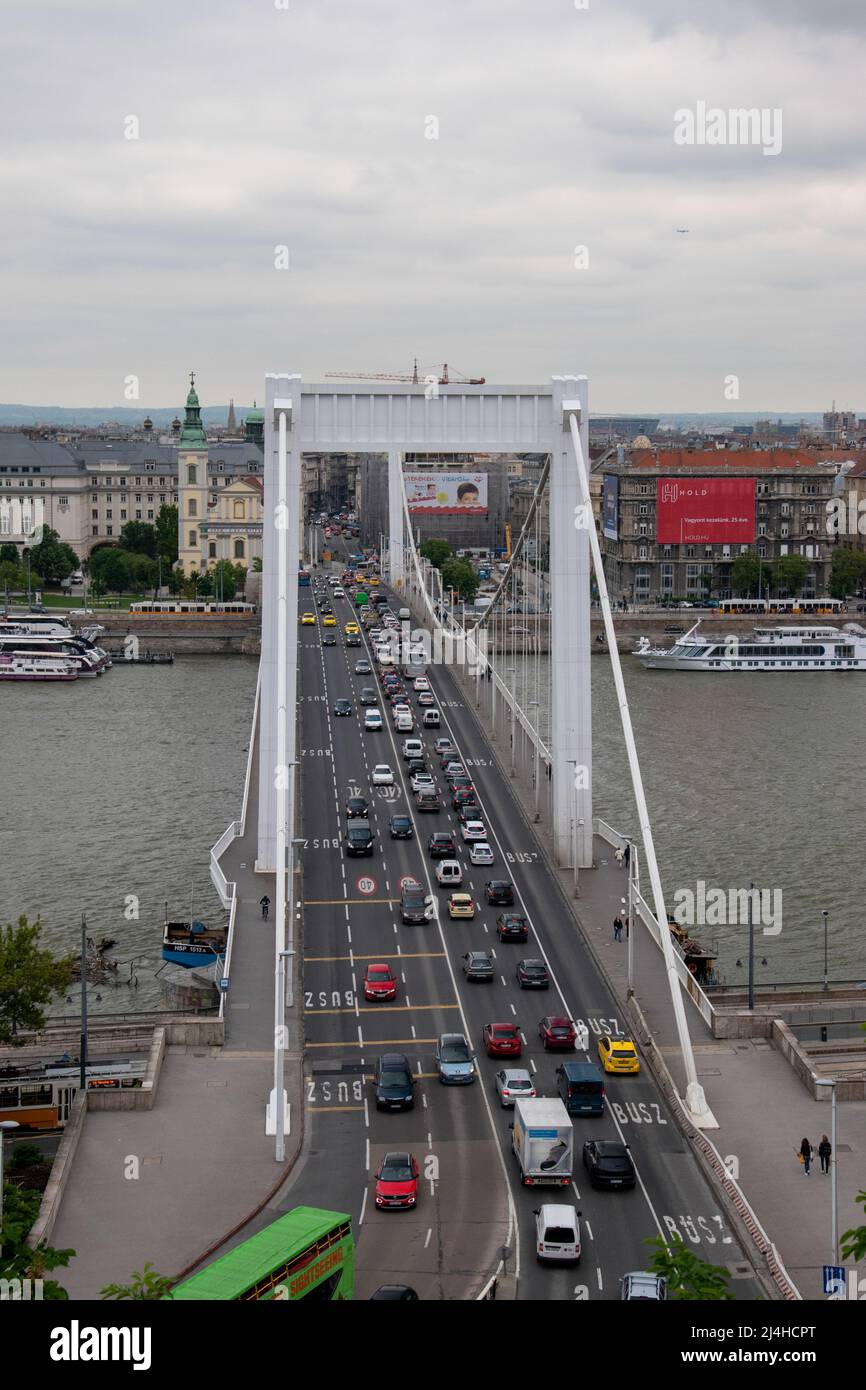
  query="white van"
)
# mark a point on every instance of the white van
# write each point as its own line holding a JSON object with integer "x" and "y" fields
{"x": 557, "y": 1233}
{"x": 413, "y": 748}
{"x": 449, "y": 873}
{"x": 404, "y": 723}
{"x": 431, "y": 719}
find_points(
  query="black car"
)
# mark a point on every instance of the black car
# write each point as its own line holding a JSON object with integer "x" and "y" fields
{"x": 329, "y": 640}
{"x": 357, "y": 806}
{"x": 464, "y": 803}
{"x": 342, "y": 706}
{"x": 393, "y": 1082}
{"x": 441, "y": 845}
{"x": 394, "y": 1293}
{"x": 499, "y": 891}
{"x": 427, "y": 801}
{"x": 512, "y": 926}
{"x": 359, "y": 837}
{"x": 608, "y": 1163}
{"x": 478, "y": 965}
{"x": 368, "y": 696}
{"x": 415, "y": 905}
{"x": 533, "y": 974}
{"x": 415, "y": 765}
{"x": 401, "y": 828}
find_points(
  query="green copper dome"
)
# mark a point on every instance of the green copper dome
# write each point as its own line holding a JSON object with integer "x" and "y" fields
{"x": 192, "y": 435}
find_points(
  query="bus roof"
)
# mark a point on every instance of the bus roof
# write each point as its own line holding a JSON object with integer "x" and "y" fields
{"x": 252, "y": 1261}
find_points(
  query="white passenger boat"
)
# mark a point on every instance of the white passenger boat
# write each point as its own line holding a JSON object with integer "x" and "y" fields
{"x": 89, "y": 659}
{"x": 803, "y": 648}
{"x": 36, "y": 666}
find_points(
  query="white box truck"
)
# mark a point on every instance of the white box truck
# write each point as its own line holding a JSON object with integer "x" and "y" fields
{"x": 543, "y": 1140}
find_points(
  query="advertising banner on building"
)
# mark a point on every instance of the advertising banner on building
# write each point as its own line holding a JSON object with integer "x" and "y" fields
{"x": 704, "y": 510}
{"x": 446, "y": 494}
{"x": 610, "y": 506}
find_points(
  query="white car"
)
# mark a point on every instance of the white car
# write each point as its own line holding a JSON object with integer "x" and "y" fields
{"x": 400, "y": 708}
{"x": 422, "y": 683}
{"x": 339, "y": 593}
{"x": 373, "y": 721}
{"x": 413, "y": 748}
{"x": 480, "y": 853}
{"x": 423, "y": 782}
{"x": 382, "y": 775}
{"x": 449, "y": 873}
{"x": 474, "y": 830}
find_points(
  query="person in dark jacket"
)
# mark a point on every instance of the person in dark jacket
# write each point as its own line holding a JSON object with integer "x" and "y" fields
{"x": 825, "y": 1149}
{"x": 805, "y": 1152}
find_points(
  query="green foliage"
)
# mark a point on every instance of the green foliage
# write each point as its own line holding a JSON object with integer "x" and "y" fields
{"x": 29, "y": 976}
{"x": 847, "y": 572}
{"x": 746, "y": 574}
{"x": 166, "y": 534}
{"x": 461, "y": 577}
{"x": 52, "y": 558}
{"x": 436, "y": 551}
{"x": 257, "y": 564}
{"x": 17, "y": 1260}
{"x": 12, "y": 576}
{"x": 689, "y": 1278}
{"x": 788, "y": 574}
{"x": 9, "y": 554}
{"x": 25, "y": 1156}
{"x": 145, "y": 1284}
{"x": 139, "y": 537}
{"x": 853, "y": 1242}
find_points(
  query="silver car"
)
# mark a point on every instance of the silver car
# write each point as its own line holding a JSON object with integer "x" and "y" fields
{"x": 641, "y": 1287}
{"x": 511, "y": 1083}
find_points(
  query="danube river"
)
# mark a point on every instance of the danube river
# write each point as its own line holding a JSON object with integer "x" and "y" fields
{"x": 117, "y": 788}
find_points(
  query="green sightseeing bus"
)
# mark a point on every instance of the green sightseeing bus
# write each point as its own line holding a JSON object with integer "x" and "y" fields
{"x": 309, "y": 1253}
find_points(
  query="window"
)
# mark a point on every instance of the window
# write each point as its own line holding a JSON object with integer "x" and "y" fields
{"x": 666, "y": 551}
{"x": 643, "y": 509}
{"x": 123, "y": 514}
{"x": 108, "y": 497}
{"x": 744, "y": 550}
{"x": 642, "y": 552}
{"x": 783, "y": 529}
{"x": 192, "y": 538}
{"x": 192, "y": 507}
{"x": 690, "y": 553}
{"x": 150, "y": 514}
{"x": 239, "y": 510}
{"x": 150, "y": 497}
{"x": 94, "y": 497}
{"x": 94, "y": 530}
{"x": 138, "y": 497}
{"x": 94, "y": 515}
{"x": 762, "y": 528}
{"x": 762, "y": 551}
{"x": 239, "y": 550}
{"x": 784, "y": 509}
{"x": 138, "y": 513}
{"x": 109, "y": 530}
{"x": 667, "y": 578}
{"x": 810, "y": 527}
{"x": 211, "y": 550}
{"x": 123, "y": 497}
{"x": 708, "y": 552}
{"x": 191, "y": 474}
{"x": 63, "y": 501}
{"x": 108, "y": 514}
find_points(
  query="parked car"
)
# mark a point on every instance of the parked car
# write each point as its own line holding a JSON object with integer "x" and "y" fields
{"x": 498, "y": 892}
{"x": 478, "y": 965}
{"x": 502, "y": 1040}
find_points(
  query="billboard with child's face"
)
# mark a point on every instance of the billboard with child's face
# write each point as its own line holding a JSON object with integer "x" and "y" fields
{"x": 446, "y": 494}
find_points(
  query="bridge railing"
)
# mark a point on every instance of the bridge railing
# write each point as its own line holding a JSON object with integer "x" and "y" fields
{"x": 686, "y": 978}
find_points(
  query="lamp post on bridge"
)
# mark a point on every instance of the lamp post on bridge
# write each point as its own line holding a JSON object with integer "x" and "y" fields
{"x": 533, "y": 704}
{"x": 834, "y": 1202}
{"x": 512, "y": 672}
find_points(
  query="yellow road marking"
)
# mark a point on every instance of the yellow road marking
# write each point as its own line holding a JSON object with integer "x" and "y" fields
{"x": 383, "y": 955}
{"x": 379, "y": 1009}
{"x": 378, "y": 1042}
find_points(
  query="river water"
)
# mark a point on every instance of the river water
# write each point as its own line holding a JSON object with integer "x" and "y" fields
{"x": 119, "y": 786}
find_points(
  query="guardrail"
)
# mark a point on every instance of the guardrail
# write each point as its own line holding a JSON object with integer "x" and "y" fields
{"x": 686, "y": 978}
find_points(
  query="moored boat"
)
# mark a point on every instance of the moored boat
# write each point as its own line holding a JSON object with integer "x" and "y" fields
{"x": 36, "y": 666}
{"x": 810, "y": 647}
{"x": 190, "y": 943}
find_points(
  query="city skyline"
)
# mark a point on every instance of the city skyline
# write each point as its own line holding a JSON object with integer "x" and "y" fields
{"x": 495, "y": 186}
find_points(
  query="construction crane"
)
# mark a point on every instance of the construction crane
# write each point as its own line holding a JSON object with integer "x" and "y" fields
{"x": 414, "y": 379}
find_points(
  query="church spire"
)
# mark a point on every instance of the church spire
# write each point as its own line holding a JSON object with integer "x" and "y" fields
{"x": 192, "y": 435}
{"x": 232, "y": 423}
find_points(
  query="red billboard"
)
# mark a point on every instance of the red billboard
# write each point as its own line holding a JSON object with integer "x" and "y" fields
{"x": 704, "y": 510}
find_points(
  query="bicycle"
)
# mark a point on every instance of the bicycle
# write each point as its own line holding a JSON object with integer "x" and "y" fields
{"x": 265, "y": 904}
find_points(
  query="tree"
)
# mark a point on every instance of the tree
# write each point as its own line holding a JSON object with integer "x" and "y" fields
{"x": 11, "y": 575}
{"x": 461, "y": 577}
{"x": 788, "y": 574}
{"x": 144, "y": 1284}
{"x": 52, "y": 557}
{"x": 139, "y": 537}
{"x": 847, "y": 573}
{"x": 257, "y": 564}
{"x": 9, "y": 554}
{"x": 166, "y": 534}
{"x": 854, "y": 1241}
{"x": 17, "y": 1259}
{"x": 29, "y": 977}
{"x": 142, "y": 571}
{"x": 689, "y": 1278}
{"x": 224, "y": 580}
{"x": 746, "y": 576}
{"x": 111, "y": 568}
{"x": 436, "y": 551}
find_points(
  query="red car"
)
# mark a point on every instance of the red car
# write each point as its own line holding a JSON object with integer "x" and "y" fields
{"x": 380, "y": 982}
{"x": 397, "y": 1181}
{"x": 502, "y": 1039}
{"x": 557, "y": 1032}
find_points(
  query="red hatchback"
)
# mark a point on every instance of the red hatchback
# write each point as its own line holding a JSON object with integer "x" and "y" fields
{"x": 502, "y": 1039}
{"x": 380, "y": 982}
{"x": 397, "y": 1181}
{"x": 556, "y": 1032}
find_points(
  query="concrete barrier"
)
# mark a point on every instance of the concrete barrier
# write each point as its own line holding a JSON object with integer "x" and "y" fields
{"x": 43, "y": 1226}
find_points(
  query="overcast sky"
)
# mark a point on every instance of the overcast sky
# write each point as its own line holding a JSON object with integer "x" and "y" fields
{"x": 306, "y": 126}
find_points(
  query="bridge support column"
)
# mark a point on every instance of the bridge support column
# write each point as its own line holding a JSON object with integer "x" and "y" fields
{"x": 278, "y": 699}
{"x": 396, "y": 563}
{"x": 571, "y": 693}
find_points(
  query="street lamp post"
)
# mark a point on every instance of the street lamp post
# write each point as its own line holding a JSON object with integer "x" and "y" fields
{"x": 4, "y": 1125}
{"x": 533, "y": 704}
{"x": 630, "y": 918}
{"x": 575, "y": 829}
{"x": 834, "y": 1208}
{"x": 751, "y": 951}
{"x": 826, "y": 916}
{"x": 512, "y": 672}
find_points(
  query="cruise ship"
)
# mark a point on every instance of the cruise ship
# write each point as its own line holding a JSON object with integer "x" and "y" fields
{"x": 806, "y": 648}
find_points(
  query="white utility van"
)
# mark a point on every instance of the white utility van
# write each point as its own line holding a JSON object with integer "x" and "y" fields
{"x": 557, "y": 1233}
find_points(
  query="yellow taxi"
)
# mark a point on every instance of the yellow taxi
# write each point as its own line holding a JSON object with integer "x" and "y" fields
{"x": 329, "y": 620}
{"x": 373, "y": 581}
{"x": 308, "y": 620}
{"x": 351, "y": 628}
{"x": 461, "y": 905}
{"x": 618, "y": 1055}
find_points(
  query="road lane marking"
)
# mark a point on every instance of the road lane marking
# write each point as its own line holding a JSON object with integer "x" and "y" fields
{"x": 331, "y": 1109}
{"x": 381, "y": 955}
{"x": 363, "y": 1208}
{"x": 429, "y": 1234}
{"x": 598, "y": 1276}
{"x": 376, "y": 1042}
{"x": 377, "y": 1009}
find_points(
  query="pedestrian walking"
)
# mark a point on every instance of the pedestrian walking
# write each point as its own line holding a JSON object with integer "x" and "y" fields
{"x": 617, "y": 928}
{"x": 626, "y": 854}
{"x": 825, "y": 1149}
{"x": 619, "y": 856}
{"x": 805, "y": 1155}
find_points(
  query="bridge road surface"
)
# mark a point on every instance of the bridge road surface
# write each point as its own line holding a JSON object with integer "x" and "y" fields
{"x": 448, "y": 1247}
{"x": 671, "y": 1194}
